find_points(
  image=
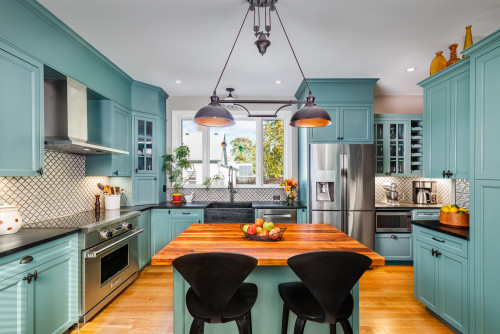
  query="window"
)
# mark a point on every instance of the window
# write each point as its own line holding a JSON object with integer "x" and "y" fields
{"x": 254, "y": 147}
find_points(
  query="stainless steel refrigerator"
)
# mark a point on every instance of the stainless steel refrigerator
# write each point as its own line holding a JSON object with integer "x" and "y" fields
{"x": 342, "y": 189}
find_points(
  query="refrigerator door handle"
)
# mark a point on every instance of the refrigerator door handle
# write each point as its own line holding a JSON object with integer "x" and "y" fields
{"x": 345, "y": 180}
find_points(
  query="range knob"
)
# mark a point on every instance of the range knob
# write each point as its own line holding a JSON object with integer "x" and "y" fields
{"x": 106, "y": 234}
{"x": 127, "y": 226}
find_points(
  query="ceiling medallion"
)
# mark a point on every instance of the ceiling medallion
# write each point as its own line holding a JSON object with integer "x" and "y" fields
{"x": 310, "y": 116}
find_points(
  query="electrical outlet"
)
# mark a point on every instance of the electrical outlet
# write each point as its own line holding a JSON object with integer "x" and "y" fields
{"x": 164, "y": 188}
{"x": 276, "y": 198}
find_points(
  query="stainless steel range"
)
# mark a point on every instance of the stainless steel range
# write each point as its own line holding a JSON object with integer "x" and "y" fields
{"x": 109, "y": 259}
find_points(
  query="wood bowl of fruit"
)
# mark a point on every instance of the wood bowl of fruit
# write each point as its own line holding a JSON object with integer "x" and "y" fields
{"x": 262, "y": 231}
{"x": 454, "y": 216}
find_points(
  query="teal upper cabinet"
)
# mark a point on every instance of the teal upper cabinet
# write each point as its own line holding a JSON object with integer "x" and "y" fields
{"x": 145, "y": 145}
{"x": 446, "y": 122}
{"x": 485, "y": 182}
{"x": 149, "y": 99}
{"x": 349, "y": 103}
{"x": 398, "y": 144}
{"x": 487, "y": 105}
{"x": 110, "y": 125}
{"x": 327, "y": 133}
{"x": 21, "y": 114}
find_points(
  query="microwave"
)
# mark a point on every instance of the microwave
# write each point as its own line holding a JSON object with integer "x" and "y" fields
{"x": 393, "y": 221}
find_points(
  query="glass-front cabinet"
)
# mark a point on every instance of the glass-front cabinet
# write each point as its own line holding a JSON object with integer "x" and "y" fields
{"x": 145, "y": 146}
{"x": 393, "y": 145}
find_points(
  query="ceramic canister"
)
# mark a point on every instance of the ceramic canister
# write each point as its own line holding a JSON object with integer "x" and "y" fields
{"x": 10, "y": 219}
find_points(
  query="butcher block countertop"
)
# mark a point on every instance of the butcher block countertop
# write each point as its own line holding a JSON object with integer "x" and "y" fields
{"x": 298, "y": 238}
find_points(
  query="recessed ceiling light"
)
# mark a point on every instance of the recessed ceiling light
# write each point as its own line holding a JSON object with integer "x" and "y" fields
{"x": 86, "y": 149}
{"x": 411, "y": 69}
{"x": 278, "y": 82}
{"x": 178, "y": 82}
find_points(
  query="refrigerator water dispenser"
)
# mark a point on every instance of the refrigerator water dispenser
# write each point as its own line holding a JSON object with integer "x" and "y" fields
{"x": 325, "y": 191}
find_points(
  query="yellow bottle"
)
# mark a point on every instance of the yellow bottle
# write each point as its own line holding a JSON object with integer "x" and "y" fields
{"x": 468, "y": 38}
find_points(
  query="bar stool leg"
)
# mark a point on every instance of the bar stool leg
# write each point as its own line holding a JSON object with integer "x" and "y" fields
{"x": 299, "y": 326}
{"x": 346, "y": 326}
{"x": 249, "y": 322}
{"x": 284, "y": 320}
{"x": 333, "y": 329}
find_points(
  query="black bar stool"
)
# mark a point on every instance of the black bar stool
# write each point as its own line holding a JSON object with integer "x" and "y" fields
{"x": 217, "y": 293}
{"x": 324, "y": 295}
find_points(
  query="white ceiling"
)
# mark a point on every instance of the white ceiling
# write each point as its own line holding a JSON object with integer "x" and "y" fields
{"x": 159, "y": 41}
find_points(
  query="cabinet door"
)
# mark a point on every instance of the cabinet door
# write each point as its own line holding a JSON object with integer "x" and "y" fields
{"x": 180, "y": 225}
{"x": 486, "y": 230}
{"x": 144, "y": 239}
{"x": 426, "y": 276}
{"x": 145, "y": 190}
{"x": 14, "y": 305}
{"x": 487, "y": 115}
{"x": 21, "y": 122}
{"x": 397, "y": 148}
{"x": 394, "y": 246}
{"x": 459, "y": 147}
{"x": 436, "y": 124}
{"x": 381, "y": 146}
{"x": 145, "y": 145}
{"x": 54, "y": 295}
{"x": 301, "y": 216}
{"x": 356, "y": 124}
{"x": 121, "y": 129}
{"x": 160, "y": 230}
{"x": 453, "y": 295}
{"x": 328, "y": 133}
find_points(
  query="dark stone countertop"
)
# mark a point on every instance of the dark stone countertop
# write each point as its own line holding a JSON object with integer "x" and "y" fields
{"x": 30, "y": 237}
{"x": 406, "y": 206}
{"x": 462, "y": 233}
{"x": 202, "y": 205}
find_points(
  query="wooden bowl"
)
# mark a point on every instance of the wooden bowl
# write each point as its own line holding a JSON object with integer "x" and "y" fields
{"x": 443, "y": 217}
{"x": 455, "y": 220}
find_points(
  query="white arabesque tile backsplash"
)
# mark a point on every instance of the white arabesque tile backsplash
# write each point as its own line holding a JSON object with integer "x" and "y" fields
{"x": 62, "y": 190}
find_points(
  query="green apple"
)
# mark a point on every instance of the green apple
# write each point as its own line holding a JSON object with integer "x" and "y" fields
{"x": 268, "y": 226}
{"x": 245, "y": 227}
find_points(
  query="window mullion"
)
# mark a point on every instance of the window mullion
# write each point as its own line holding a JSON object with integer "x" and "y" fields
{"x": 205, "y": 170}
{"x": 259, "y": 153}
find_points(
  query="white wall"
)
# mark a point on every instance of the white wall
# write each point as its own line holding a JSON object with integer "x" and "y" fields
{"x": 409, "y": 104}
{"x": 194, "y": 103}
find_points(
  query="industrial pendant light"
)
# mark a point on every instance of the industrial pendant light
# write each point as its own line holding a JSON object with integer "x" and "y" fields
{"x": 310, "y": 116}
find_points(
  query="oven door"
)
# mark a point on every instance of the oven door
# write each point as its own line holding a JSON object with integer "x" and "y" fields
{"x": 106, "y": 267}
{"x": 393, "y": 222}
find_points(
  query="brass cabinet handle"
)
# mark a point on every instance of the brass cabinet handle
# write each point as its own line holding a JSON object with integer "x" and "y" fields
{"x": 26, "y": 259}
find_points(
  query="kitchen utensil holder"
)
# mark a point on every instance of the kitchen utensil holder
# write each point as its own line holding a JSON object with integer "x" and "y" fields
{"x": 112, "y": 202}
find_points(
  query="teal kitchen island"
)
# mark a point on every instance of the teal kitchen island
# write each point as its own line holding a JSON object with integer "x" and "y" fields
{"x": 272, "y": 270}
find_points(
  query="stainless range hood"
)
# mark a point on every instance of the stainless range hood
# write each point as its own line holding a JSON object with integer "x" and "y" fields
{"x": 65, "y": 104}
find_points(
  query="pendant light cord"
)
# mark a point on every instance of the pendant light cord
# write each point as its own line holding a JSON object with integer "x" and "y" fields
{"x": 293, "y": 51}
{"x": 230, "y": 53}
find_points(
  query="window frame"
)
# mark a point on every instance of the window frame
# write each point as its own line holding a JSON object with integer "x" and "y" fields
{"x": 284, "y": 115}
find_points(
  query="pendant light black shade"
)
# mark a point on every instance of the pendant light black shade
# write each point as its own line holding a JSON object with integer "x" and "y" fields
{"x": 214, "y": 114}
{"x": 310, "y": 116}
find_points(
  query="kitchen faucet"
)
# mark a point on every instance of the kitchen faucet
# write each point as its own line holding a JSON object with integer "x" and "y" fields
{"x": 230, "y": 184}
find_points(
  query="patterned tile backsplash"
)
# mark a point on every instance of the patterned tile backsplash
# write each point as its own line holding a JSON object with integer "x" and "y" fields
{"x": 405, "y": 185}
{"x": 62, "y": 190}
{"x": 241, "y": 195}
{"x": 462, "y": 193}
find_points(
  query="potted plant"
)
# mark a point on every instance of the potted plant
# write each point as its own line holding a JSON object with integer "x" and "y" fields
{"x": 175, "y": 164}
{"x": 290, "y": 186}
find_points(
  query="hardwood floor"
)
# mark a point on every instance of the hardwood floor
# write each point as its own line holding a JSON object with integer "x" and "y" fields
{"x": 386, "y": 305}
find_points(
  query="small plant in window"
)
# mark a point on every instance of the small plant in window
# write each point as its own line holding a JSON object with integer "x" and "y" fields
{"x": 175, "y": 165}
{"x": 207, "y": 183}
{"x": 216, "y": 179}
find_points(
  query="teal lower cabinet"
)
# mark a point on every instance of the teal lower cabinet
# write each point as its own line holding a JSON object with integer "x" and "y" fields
{"x": 167, "y": 224}
{"x": 181, "y": 219}
{"x": 160, "y": 229}
{"x": 441, "y": 276}
{"x": 302, "y": 216}
{"x": 144, "y": 239}
{"x": 41, "y": 296}
{"x": 394, "y": 246}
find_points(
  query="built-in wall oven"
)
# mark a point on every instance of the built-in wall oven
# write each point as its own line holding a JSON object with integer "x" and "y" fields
{"x": 393, "y": 221}
{"x": 109, "y": 264}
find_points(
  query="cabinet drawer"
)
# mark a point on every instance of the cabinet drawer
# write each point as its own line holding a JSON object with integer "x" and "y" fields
{"x": 425, "y": 214}
{"x": 187, "y": 213}
{"x": 394, "y": 246}
{"x": 442, "y": 241}
{"x": 10, "y": 265}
